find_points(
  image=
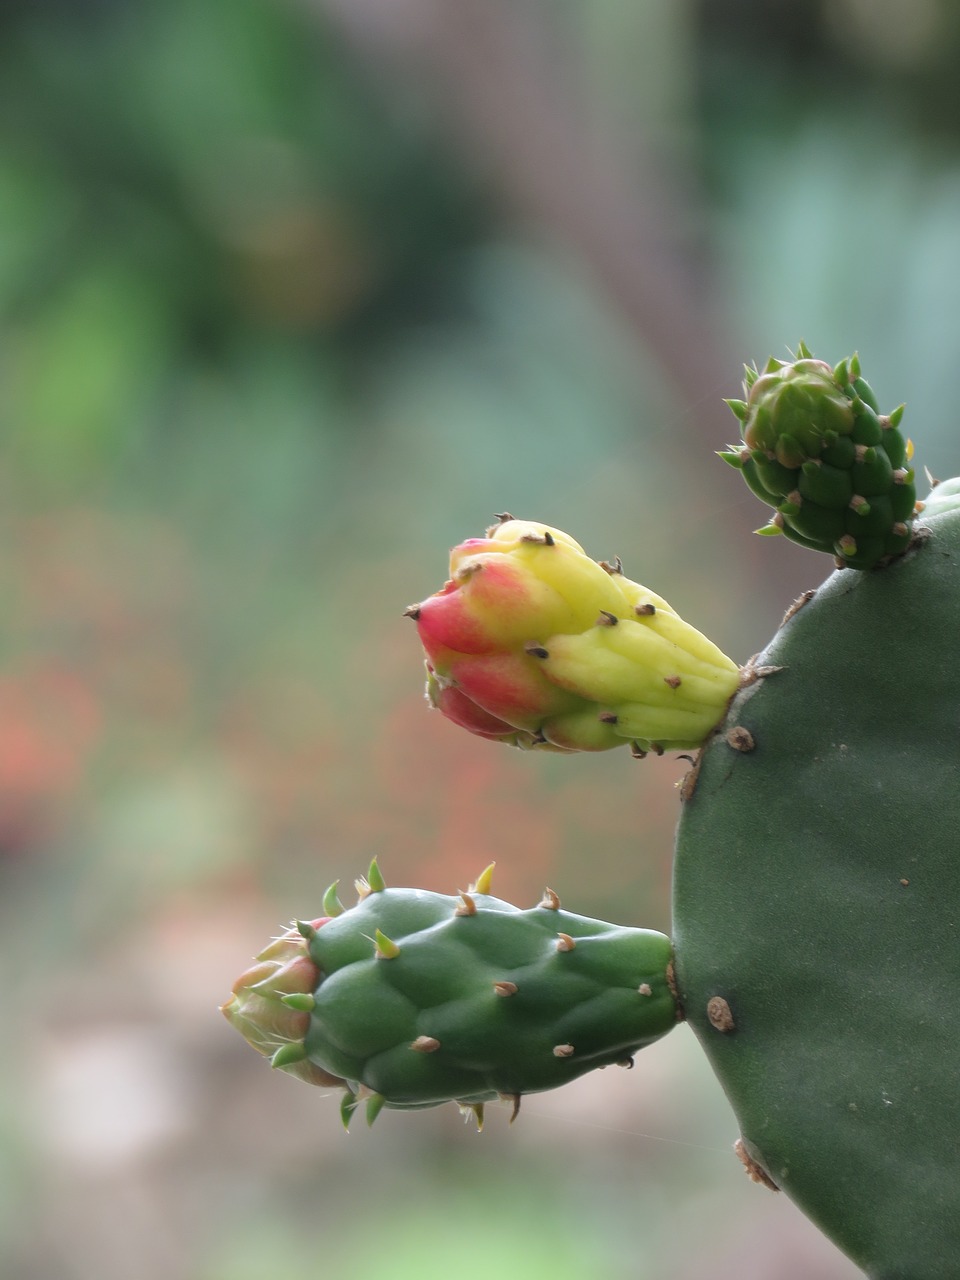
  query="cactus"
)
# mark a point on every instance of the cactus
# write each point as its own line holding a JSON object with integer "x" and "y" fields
{"x": 418, "y": 998}
{"x": 816, "y": 891}
{"x": 815, "y": 943}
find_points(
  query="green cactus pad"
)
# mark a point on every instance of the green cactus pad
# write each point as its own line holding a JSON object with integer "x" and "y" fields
{"x": 816, "y": 450}
{"x": 817, "y": 909}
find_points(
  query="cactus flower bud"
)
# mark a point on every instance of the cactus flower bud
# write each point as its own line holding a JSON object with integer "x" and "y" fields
{"x": 270, "y": 1005}
{"x": 817, "y": 450}
{"x": 532, "y": 643}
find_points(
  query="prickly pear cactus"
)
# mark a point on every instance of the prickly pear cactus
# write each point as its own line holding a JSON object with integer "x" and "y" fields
{"x": 816, "y": 949}
{"x": 411, "y": 998}
{"x": 817, "y": 909}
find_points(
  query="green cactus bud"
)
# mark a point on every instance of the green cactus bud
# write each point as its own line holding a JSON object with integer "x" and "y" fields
{"x": 815, "y": 892}
{"x": 420, "y": 998}
{"x": 271, "y": 1004}
{"x": 817, "y": 451}
{"x": 533, "y": 643}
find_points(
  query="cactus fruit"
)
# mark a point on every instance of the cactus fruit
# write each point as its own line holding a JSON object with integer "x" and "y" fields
{"x": 816, "y": 449}
{"x": 419, "y": 998}
{"x": 531, "y": 642}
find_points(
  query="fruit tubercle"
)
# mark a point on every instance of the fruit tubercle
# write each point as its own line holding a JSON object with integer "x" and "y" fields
{"x": 533, "y": 643}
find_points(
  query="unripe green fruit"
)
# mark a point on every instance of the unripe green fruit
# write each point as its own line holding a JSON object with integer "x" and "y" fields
{"x": 424, "y": 998}
{"x": 815, "y": 449}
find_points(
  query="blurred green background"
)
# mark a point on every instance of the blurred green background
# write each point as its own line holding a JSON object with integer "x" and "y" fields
{"x": 292, "y": 298}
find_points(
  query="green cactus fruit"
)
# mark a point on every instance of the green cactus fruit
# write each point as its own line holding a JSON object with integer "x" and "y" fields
{"x": 422, "y": 998}
{"x": 532, "y": 643}
{"x": 817, "y": 908}
{"x": 816, "y": 449}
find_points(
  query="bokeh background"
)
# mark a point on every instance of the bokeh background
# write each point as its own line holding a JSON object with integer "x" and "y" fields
{"x": 293, "y": 296}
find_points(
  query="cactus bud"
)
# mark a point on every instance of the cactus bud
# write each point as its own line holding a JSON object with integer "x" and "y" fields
{"x": 532, "y": 643}
{"x": 816, "y": 450}
{"x": 269, "y": 1004}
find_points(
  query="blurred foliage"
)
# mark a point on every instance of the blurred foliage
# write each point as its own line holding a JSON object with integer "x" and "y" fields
{"x": 831, "y": 143}
{"x": 270, "y": 341}
{"x": 181, "y": 181}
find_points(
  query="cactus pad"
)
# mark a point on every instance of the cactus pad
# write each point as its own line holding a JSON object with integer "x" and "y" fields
{"x": 817, "y": 450}
{"x": 422, "y": 998}
{"x": 817, "y": 909}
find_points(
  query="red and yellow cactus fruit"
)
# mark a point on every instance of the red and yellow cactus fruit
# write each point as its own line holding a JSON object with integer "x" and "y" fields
{"x": 531, "y": 642}
{"x": 271, "y": 1002}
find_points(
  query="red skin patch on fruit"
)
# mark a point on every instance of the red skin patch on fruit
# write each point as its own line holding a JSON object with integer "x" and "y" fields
{"x": 440, "y": 658}
{"x": 511, "y": 687}
{"x": 446, "y": 621}
{"x": 496, "y": 606}
{"x": 510, "y": 599}
{"x": 456, "y": 706}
